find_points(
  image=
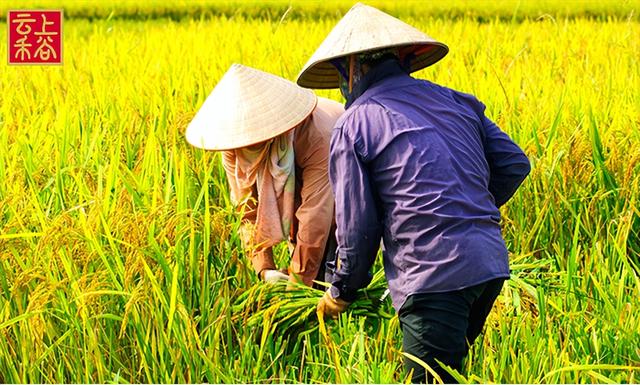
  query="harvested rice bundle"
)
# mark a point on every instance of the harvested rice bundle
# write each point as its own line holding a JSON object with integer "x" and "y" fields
{"x": 286, "y": 305}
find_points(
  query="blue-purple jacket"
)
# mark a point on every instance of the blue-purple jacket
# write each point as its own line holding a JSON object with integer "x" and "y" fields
{"x": 420, "y": 166}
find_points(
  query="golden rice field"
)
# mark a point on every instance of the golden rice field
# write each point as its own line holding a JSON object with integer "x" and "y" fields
{"x": 119, "y": 254}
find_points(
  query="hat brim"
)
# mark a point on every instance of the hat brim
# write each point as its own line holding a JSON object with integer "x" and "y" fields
{"x": 324, "y": 75}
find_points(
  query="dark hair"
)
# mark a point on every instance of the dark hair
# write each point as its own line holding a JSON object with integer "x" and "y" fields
{"x": 373, "y": 60}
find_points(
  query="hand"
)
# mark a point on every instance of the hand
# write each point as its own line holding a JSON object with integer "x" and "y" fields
{"x": 273, "y": 276}
{"x": 329, "y": 306}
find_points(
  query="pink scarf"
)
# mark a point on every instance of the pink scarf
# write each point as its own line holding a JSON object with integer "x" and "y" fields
{"x": 271, "y": 168}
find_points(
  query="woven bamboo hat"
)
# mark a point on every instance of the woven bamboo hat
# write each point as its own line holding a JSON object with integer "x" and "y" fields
{"x": 246, "y": 107}
{"x": 362, "y": 29}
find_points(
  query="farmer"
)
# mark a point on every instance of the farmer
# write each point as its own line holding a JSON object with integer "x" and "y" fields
{"x": 274, "y": 137}
{"x": 420, "y": 166}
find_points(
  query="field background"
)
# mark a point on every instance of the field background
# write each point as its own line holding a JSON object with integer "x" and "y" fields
{"x": 119, "y": 254}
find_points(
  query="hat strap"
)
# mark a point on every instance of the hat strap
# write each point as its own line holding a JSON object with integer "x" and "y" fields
{"x": 352, "y": 64}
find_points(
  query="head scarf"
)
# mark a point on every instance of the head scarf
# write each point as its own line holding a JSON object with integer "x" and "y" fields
{"x": 382, "y": 63}
{"x": 271, "y": 168}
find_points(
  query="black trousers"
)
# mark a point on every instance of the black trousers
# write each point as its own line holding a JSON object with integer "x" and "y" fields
{"x": 442, "y": 326}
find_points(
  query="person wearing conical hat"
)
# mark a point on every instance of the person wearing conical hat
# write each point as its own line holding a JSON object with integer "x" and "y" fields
{"x": 274, "y": 137}
{"x": 421, "y": 167}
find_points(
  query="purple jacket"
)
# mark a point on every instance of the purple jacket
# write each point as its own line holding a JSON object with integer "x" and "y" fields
{"x": 420, "y": 166}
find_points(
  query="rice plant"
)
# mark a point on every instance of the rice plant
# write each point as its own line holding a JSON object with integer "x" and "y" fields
{"x": 120, "y": 259}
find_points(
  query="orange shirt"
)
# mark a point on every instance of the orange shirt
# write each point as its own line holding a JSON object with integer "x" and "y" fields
{"x": 314, "y": 211}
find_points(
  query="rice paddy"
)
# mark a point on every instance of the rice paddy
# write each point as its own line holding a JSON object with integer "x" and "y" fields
{"x": 120, "y": 259}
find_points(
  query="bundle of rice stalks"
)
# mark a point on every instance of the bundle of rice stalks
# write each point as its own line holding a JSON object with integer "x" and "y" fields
{"x": 288, "y": 306}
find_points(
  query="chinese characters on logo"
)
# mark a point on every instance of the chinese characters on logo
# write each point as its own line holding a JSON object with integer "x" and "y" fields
{"x": 35, "y": 37}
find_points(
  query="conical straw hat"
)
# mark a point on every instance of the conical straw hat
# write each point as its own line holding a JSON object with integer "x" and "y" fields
{"x": 246, "y": 107}
{"x": 362, "y": 29}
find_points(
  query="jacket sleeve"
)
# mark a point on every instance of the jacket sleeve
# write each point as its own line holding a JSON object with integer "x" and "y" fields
{"x": 315, "y": 213}
{"x": 508, "y": 165}
{"x": 358, "y": 227}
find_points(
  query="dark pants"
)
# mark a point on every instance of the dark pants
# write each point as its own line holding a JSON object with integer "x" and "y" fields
{"x": 442, "y": 326}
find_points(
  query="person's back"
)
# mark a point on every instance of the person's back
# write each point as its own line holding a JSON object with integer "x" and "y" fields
{"x": 425, "y": 148}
